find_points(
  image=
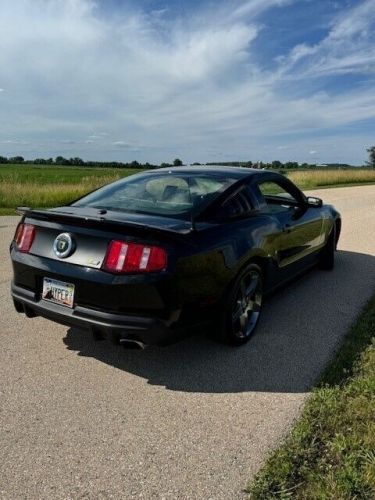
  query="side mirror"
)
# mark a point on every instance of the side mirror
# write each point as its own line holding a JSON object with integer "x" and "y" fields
{"x": 312, "y": 201}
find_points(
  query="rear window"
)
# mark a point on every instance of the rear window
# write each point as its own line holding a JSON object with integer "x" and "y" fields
{"x": 171, "y": 194}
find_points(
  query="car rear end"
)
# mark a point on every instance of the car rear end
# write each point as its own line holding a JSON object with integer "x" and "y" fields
{"x": 116, "y": 278}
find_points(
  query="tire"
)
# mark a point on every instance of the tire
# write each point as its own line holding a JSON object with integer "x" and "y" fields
{"x": 243, "y": 307}
{"x": 327, "y": 256}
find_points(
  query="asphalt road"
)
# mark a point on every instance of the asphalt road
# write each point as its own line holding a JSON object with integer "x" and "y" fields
{"x": 88, "y": 420}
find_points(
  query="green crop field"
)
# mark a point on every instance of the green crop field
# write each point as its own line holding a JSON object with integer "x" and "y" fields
{"x": 46, "y": 186}
{"x": 41, "y": 186}
{"x": 58, "y": 174}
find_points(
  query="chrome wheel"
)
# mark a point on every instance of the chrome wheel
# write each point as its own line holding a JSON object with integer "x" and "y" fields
{"x": 247, "y": 304}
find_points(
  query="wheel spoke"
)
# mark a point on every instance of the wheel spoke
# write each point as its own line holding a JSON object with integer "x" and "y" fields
{"x": 252, "y": 286}
{"x": 237, "y": 312}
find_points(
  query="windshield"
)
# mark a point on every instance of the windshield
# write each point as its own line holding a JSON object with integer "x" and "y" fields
{"x": 169, "y": 194}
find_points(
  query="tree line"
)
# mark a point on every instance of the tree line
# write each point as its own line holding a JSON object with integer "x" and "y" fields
{"x": 74, "y": 162}
{"x": 278, "y": 165}
{"x": 78, "y": 162}
{"x": 177, "y": 162}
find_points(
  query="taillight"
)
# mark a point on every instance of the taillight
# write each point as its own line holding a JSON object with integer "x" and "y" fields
{"x": 123, "y": 257}
{"x": 24, "y": 237}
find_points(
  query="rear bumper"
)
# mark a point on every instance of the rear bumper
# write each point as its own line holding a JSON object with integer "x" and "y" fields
{"x": 147, "y": 330}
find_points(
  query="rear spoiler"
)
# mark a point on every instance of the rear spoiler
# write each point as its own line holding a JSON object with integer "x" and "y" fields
{"x": 22, "y": 210}
{"x": 66, "y": 217}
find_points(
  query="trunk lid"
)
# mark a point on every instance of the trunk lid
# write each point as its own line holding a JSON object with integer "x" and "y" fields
{"x": 91, "y": 231}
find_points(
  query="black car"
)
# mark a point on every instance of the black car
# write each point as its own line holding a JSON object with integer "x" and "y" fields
{"x": 142, "y": 258}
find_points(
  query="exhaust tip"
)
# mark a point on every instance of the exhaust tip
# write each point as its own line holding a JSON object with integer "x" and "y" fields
{"x": 132, "y": 344}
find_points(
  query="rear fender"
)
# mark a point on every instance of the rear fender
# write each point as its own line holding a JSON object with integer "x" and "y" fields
{"x": 261, "y": 260}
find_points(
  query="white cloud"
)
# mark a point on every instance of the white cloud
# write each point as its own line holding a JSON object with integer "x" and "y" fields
{"x": 349, "y": 46}
{"x": 255, "y": 7}
{"x": 158, "y": 12}
{"x": 192, "y": 89}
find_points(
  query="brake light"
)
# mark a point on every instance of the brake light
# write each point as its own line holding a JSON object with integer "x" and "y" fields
{"x": 24, "y": 237}
{"x": 125, "y": 257}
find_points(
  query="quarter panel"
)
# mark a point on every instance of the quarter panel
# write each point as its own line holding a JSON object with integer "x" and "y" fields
{"x": 221, "y": 251}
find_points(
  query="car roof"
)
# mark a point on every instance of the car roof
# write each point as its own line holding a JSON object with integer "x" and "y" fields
{"x": 237, "y": 172}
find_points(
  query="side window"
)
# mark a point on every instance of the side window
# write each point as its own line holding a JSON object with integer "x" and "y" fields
{"x": 237, "y": 205}
{"x": 277, "y": 197}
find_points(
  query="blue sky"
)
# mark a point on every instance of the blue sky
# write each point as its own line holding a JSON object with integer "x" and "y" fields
{"x": 220, "y": 80}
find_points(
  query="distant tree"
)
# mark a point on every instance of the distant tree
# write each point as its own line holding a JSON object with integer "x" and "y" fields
{"x": 177, "y": 162}
{"x": 134, "y": 164}
{"x": 76, "y": 161}
{"x": 40, "y": 161}
{"x": 196, "y": 163}
{"x": 165, "y": 165}
{"x": 3, "y": 159}
{"x": 371, "y": 157}
{"x": 147, "y": 165}
{"x": 60, "y": 160}
{"x": 16, "y": 159}
{"x": 277, "y": 164}
{"x": 249, "y": 164}
{"x": 291, "y": 164}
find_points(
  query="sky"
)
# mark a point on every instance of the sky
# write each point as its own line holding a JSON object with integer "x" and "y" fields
{"x": 201, "y": 80}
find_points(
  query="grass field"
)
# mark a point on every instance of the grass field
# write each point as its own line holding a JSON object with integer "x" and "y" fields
{"x": 307, "y": 179}
{"x": 57, "y": 174}
{"x": 331, "y": 451}
{"x": 29, "y": 185}
{"x": 47, "y": 186}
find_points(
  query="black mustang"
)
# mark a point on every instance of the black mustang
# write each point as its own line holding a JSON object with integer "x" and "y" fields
{"x": 142, "y": 257}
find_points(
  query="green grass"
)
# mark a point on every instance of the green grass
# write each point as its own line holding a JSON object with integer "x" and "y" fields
{"x": 310, "y": 179}
{"x": 46, "y": 186}
{"x": 7, "y": 211}
{"x": 330, "y": 453}
{"x": 57, "y": 174}
{"x": 41, "y": 186}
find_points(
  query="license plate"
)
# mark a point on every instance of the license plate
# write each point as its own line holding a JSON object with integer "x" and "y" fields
{"x": 58, "y": 292}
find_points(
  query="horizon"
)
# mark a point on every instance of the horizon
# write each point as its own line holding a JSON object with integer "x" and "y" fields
{"x": 72, "y": 162}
